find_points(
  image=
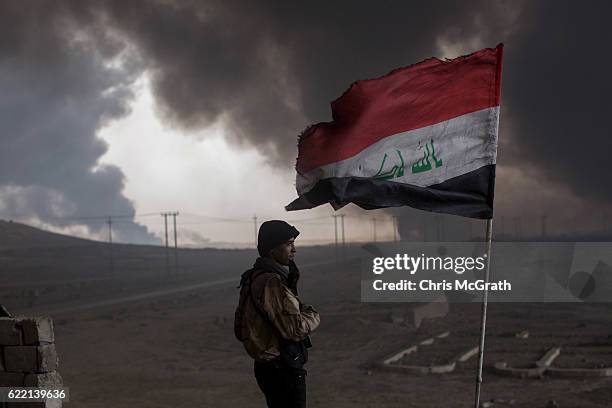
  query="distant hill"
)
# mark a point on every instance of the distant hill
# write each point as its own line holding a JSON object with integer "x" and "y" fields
{"x": 15, "y": 235}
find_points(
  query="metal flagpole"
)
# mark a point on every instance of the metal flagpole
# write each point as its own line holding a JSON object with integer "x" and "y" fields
{"x": 483, "y": 321}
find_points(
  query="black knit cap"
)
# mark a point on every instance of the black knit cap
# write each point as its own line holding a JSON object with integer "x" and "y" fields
{"x": 273, "y": 233}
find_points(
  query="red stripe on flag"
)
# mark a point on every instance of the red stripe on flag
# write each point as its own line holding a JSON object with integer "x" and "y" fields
{"x": 413, "y": 97}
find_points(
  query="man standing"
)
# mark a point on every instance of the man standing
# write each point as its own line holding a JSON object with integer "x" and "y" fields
{"x": 271, "y": 321}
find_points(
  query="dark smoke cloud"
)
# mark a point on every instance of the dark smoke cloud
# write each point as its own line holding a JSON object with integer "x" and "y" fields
{"x": 557, "y": 84}
{"x": 56, "y": 91}
{"x": 267, "y": 69}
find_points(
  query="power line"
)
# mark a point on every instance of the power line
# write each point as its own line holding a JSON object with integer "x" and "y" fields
{"x": 165, "y": 215}
{"x": 118, "y": 217}
{"x": 215, "y": 218}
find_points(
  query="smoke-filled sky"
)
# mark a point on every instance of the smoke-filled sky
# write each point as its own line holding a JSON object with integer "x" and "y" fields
{"x": 135, "y": 107}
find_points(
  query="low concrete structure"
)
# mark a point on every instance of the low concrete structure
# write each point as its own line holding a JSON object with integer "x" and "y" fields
{"x": 28, "y": 357}
{"x": 395, "y": 361}
{"x": 438, "y": 308}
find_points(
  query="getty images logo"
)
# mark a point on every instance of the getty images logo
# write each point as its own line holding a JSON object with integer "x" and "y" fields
{"x": 412, "y": 264}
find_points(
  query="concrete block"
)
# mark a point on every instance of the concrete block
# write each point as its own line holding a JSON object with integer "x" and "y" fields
{"x": 37, "y": 330}
{"x": 466, "y": 354}
{"x": 11, "y": 379}
{"x": 10, "y": 332}
{"x": 427, "y": 311}
{"x": 44, "y": 380}
{"x": 47, "y": 358}
{"x": 31, "y": 359}
{"x": 502, "y": 367}
{"x": 21, "y": 358}
{"x": 549, "y": 357}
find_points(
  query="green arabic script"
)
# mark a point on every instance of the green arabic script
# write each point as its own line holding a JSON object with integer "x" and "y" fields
{"x": 395, "y": 172}
{"x": 424, "y": 164}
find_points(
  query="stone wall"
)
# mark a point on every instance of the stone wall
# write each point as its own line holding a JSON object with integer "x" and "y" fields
{"x": 28, "y": 357}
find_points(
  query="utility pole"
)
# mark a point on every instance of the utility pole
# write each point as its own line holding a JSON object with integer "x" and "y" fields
{"x": 110, "y": 242}
{"x": 255, "y": 228}
{"x": 165, "y": 215}
{"x": 174, "y": 214}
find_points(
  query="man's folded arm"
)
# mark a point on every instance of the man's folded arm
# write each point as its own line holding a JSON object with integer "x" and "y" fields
{"x": 283, "y": 309}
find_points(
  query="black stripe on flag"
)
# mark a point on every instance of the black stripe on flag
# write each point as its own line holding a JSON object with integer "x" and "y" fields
{"x": 467, "y": 195}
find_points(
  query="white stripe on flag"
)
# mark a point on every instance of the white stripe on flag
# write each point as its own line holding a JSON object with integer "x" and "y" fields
{"x": 450, "y": 148}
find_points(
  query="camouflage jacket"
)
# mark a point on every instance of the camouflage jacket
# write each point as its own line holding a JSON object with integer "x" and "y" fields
{"x": 268, "y": 309}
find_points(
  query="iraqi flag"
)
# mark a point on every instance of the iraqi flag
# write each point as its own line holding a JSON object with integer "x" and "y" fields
{"x": 424, "y": 136}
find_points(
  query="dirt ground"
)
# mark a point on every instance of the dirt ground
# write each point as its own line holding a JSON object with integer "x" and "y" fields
{"x": 180, "y": 351}
{"x": 136, "y": 337}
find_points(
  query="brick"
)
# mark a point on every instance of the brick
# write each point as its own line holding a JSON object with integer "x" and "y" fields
{"x": 37, "y": 330}
{"x": 11, "y": 379}
{"x": 10, "y": 332}
{"x": 21, "y": 358}
{"x": 47, "y": 358}
{"x": 44, "y": 380}
{"x": 31, "y": 359}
